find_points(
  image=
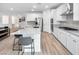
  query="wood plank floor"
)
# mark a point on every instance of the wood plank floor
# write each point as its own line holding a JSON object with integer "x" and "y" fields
{"x": 6, "y": 46}
{"x": 49, "y": 46}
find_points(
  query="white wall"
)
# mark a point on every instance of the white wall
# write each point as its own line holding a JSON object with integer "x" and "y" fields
{"x": 29, "y": 17}
{"x": 46, "y": 20}
{"x": 10, "y": 19}
{"x": 32, "y": 16}
{"x": 0, "y": 19}
{"x": 54, "y": 16}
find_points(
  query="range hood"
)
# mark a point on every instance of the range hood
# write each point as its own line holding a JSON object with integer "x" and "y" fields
{"x": 69, "y": 9}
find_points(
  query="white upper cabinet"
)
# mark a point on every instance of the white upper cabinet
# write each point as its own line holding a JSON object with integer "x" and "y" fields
{"x": 67, "y": 9}
{"x": 63, "y": 13}
{"x": 76, "y": 12}
{"x": 62, "y": 9}
{"x": 56, "y": 14}
{"x": 59, "y": 11}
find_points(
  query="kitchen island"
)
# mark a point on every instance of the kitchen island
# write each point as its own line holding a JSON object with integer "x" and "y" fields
{"x": 34, "y": 33}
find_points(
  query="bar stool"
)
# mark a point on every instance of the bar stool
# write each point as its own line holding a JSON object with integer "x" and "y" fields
{"x": 17, "y": 36}
{"x": 25, "y": 41}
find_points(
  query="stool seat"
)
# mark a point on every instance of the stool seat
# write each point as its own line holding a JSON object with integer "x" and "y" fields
{"x": 18, "y": 35}
{"x": 25, "y": 40}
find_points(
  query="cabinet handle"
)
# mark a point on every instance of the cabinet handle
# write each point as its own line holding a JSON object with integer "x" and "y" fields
{"x": 74, "y": 41}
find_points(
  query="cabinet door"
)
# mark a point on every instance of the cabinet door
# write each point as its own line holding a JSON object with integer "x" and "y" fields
{"x": 75, "y": 44}
{"x": 77, "y": 48}
{"x": 63, "y": 38}
{"x": 62, "y": 9}
{"x": 58, "y": 33}
{"x": 71, "y": 45}
{"x": 76, "y": 40}
{"x": 55, "y": 32}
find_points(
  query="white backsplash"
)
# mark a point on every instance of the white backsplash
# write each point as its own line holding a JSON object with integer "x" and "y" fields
{"x": 72, "y": 24}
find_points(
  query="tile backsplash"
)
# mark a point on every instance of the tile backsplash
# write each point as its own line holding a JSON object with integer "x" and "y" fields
{"x": 72, "y": 24}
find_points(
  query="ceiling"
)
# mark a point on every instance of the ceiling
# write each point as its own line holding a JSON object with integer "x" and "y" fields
{"x": 27, "y": 7}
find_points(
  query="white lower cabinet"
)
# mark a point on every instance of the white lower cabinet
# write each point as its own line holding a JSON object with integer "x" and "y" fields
{"x": 55, "y": 32}
{"x": 62, "y": 38}
{"x": 71, "y": 45}
{"x": 60, "y": 35}
{"x": 70, "y": 41}
{"x": 77, "y": 47}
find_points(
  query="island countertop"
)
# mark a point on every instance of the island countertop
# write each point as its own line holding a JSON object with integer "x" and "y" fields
{"x": 34, "y": 33}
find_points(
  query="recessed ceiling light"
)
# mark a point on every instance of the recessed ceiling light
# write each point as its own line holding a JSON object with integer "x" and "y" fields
{"x": 32, "y": 9}
{"x": 34, "y": 6}
{"x": 11, "y": 9}
{"x": 46, "y": 6}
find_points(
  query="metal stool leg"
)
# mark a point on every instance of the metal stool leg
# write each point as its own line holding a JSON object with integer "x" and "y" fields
{"x": 13, "y": 44}
{"x": 19, "y": 47}
{"x": 32, "y": 48}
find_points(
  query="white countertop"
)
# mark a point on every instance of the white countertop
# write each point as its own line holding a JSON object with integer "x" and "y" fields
{"x": 69, "y": 31}
{"x": 28, "y": 31}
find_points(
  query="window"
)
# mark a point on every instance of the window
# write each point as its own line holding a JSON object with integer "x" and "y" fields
{"x": 5, "y": 19}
